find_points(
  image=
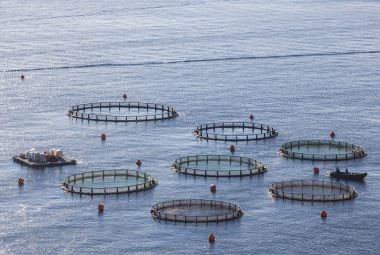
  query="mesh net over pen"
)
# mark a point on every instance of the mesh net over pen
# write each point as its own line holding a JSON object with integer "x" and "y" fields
{"x": 121, "y": 112}
{"x": 218, "y": 166}
{"x": 311, "y": 190}
{"x": 234, "y": 131}
{"x": 196, "y": 210}
{"x": 326, "y": 150}
{"x": 105, "y": 182}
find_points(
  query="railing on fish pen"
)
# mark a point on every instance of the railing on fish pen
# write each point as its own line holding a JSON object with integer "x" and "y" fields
{"x": 254, "y": 167}
{"x": 203, "y": 131}
{"x": 234, "y": 211}
{"x": 352, "y": 151}
{"x": 70, "y": 185}
{"x": 347, "y": 191}
{"x": 161, "y": 112}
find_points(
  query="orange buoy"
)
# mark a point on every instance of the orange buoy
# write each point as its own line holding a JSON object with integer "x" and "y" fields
{"x": 103, "y": 137}
{"x": 22, "y": 77}
{"x": 251, "y": 117}
{"x": 21, "y": 181}
{"x": 323, "y": 214}
{"x": 138, "y": 162}
{"x": 101, "y": 207}
{"x": 332, "y": 134}
{"x": 211, "y": 238}
{"x": 213, "y": 188}
{"x": 232, "y": 148}
{"x": 316, "y": 170}
{"x": 125, "y": 96}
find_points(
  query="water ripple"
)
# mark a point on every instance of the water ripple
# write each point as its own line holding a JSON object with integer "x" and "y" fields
{"x": 109, "y": 11}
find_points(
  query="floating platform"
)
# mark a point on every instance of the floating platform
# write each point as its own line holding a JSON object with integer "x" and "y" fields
{"x": 36, "y": 164}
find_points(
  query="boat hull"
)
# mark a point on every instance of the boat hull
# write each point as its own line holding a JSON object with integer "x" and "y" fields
{"x": 348, "y": 176}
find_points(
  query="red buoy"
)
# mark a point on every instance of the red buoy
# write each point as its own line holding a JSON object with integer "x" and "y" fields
{"x": 211, "y": 238}
{"x": 22, "y": 77}
{"x": 101, "y": 207}
{"x": 138, "y": 162}
{"x": 125, "y": 96}
{"x": 21, "y": 181}
{"x": 251, "y": 117}
{"x": 213, "y": 188}
{"x": 232, "y": 148}
{"x": 316, "y": 170}
{"x": 323, "y": 214}
{"x": 332, "y": 134}
{"x": 103, "y": 137}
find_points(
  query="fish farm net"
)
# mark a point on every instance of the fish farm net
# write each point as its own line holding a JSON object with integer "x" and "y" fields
{"x": 105, "y": 182}
{"x": 234, "y": 131}
{"x": 121, "y": 112}
{"x": 218, "y": 166}
{"x": 196, "y": 210}
{"x": 311, "y": 190}
{"x": 326, "y": 150}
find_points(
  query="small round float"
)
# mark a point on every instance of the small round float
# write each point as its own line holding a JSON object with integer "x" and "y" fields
{"x": 211, "y": 238}
{"x": 106, "y": 182}
{"x": 323, "y": 214}
{"x": 234, "y": 131}
{"x": 326, "y": 150}
{"x": 21, "y": 181}
{"x": 311, "y": 190}
{"x": 196, "y": 210}
{"x": 100, "y": 207}
{"x": 121, "y": 112}
{"x": 218, "y": 166}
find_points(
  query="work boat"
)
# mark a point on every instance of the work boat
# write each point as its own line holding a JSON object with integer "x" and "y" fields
{"x": 348, "y": 175}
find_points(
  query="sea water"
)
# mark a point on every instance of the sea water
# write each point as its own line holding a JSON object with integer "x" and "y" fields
{"x": 235, "y": 131}
{"x": 321, "y": 150}
{"x": 109, "y": 182}
{"x": 123, "y": 112}
{"x": 303, "y": 67}
{"x": 197, "y": 210}
{"x": 215, "y": 165}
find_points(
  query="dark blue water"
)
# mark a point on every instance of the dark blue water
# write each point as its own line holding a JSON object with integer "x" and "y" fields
{"x": 303, "y": 67}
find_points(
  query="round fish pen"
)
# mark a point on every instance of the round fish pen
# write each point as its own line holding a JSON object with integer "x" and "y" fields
{"x": 106, "y": 182}
{"x": 311, "y": 190}
{"x": 234, "y": 131}
{"x": 196, "y": 210}
{"x": 218, "y": 166}
{"x": 326, "y": 150}
{"x": 122, "y": 112}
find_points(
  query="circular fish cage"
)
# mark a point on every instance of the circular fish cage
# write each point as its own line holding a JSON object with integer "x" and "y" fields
{"x": 218, "y": 166}
{"x": 195, "y": 211}
{"x": 234, "y": 131}
{"x": 106, "y": 182}
{"x": 121, "y": 112}
{"x": 311, "y": 190}
{"x": 326, "y": 150}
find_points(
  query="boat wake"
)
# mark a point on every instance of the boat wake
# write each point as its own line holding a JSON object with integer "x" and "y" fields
{"x": 185, "y": 61}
